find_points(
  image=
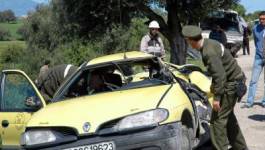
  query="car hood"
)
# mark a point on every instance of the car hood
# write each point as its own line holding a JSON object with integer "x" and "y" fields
{"x": 97, "y": 109}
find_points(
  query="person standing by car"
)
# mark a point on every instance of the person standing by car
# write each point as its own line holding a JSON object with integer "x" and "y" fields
{"x": 53, "y": 79}
{"x": 258, "y": 34}
{"x": 152, "y": 43}
{"x": 218, "y": 34}
{"x": 246, "y": 33}
{"x": 226, "y": 75}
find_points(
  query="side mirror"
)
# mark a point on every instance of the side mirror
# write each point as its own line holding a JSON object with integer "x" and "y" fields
{"x": 33, "y": 102}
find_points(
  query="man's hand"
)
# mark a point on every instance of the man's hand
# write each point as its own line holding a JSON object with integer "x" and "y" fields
{"x": 216, "y": 106}
{"x": 30, "y": 101}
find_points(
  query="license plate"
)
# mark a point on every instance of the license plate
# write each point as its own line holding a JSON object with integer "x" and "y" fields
{"x": 98, "y": 146}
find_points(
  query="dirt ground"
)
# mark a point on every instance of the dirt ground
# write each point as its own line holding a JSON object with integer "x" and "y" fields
{"x": 252, "y": 120}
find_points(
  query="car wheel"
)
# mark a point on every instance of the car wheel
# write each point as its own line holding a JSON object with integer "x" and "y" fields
{"x": 185, "y": 138}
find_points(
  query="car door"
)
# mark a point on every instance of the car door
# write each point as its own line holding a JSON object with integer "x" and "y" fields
{"x": 16, "y": 87}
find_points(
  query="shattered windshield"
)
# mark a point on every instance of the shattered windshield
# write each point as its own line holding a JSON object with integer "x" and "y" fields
{"x": 117, "y": 76}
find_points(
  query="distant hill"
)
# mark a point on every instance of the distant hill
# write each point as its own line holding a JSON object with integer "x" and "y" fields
{"x": 20, "y": 7}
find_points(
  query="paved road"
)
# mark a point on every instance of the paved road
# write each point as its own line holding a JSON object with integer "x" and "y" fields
{"x": 252, "y": 120}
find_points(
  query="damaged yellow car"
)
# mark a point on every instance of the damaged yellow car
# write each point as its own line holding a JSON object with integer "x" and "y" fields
{"x": 123, "y": 101}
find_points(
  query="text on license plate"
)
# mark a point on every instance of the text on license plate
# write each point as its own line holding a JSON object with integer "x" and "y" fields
{"x": 98, "y": 146}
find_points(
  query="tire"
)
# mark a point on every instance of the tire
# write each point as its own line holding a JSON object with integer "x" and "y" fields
{"x": 185, "y": 138}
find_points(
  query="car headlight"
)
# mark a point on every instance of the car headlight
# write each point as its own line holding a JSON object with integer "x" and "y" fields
{"x": 141, "y": 120}
{"x": 34, "y": 137}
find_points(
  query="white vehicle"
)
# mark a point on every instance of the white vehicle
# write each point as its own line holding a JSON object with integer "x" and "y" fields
{"x": 231, "y": 23}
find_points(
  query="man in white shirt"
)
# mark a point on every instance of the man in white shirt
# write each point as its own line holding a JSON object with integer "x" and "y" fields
{"x": 151, "y": 43}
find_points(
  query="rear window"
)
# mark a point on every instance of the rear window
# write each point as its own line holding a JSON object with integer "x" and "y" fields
{"x": 227, "y": 21}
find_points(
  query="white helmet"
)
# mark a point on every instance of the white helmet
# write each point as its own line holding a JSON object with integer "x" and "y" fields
{"x": 154, "y": 24}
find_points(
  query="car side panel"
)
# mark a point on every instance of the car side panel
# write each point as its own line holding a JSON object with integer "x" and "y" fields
{"x": 17, "y": 123}
{"x": 176, "y": 101}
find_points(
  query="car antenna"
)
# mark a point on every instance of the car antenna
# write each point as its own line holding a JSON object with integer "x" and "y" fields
{"x": 124, "y": 55}
{"x": 124, "y": 51}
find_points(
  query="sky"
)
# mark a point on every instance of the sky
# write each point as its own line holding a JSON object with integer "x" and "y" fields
{"x": 253, "y": 5}
{"x": 41, "y": 1}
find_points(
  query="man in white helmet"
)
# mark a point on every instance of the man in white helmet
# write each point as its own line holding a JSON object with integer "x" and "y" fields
{"x": 152, "y": 43}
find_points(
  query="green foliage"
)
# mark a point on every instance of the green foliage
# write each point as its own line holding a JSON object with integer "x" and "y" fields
{"x": 121, "y": 38}
{"x": 72, "y": 32}
{"x": 116, "y": 39}
{"x": 92, "y": 18}
{"x": 22, "y": 32}
{"x": 12, "y": 28}
{"x": 4, "y": 34}
{"x": 251, "y": 17}
{"x": 5, "y": 44}
{"x": 40, "y": 30}
{"x": 136, "y": 31}
{"x": 14, "y": 55}
{"x": 75, "y": 52}
{"x": 7, "y": 16}
{"x": 240, "y": 9}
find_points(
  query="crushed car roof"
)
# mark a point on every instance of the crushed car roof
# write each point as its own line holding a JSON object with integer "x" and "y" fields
{"x": 119, "y": 57}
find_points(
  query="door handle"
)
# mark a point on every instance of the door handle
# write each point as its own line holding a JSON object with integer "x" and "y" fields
{"x": 5, "y": 123}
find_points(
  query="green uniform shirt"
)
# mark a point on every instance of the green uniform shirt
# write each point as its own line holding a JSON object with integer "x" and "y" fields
{"x": 54, "y": 78}
{"x": 221, "y": 65}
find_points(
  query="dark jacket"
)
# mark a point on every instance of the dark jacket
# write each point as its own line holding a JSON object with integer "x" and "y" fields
{"x": 54, "y": 78}
{"x": 221, "y": 66}
{"x": 218, "y": 36}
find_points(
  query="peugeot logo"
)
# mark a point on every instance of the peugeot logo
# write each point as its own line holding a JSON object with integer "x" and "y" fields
{"x": 86, "y": 126}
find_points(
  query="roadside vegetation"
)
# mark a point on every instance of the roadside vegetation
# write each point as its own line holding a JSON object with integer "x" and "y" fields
{"x": 65, "y": 33}
{"x": 12, "y": 29}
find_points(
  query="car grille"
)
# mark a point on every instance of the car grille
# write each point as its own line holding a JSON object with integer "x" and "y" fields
{"x": 110, "y": 124}
{"x": 65, "y": 131}
{"x": 108, "y": 127}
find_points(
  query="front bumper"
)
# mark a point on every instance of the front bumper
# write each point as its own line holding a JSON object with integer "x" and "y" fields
{"x": 164, "y": 137}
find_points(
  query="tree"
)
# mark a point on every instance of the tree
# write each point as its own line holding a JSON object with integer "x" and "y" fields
{"x": 8, "y": 16}
{"x": 240, "y": 9}
{"x": 252, "y": 16}
{"x": 41, "y": 30}
{"x": 97, "y": 16}
{"x": 22, "y": 31}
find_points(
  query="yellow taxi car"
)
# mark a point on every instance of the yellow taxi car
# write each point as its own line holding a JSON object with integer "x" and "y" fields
{"x": 122, "y": 101}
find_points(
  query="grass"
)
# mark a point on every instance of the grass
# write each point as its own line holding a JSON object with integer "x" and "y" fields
{"x": 12, "y": 28}
{"x": 6, "y": 44}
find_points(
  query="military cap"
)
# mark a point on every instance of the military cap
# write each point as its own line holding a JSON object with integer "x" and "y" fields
{"x": 191, "y": 31}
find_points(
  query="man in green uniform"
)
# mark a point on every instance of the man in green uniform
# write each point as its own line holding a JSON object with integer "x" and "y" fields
{"x": 52, "y": 80}
{"x": 225, "y": 73}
